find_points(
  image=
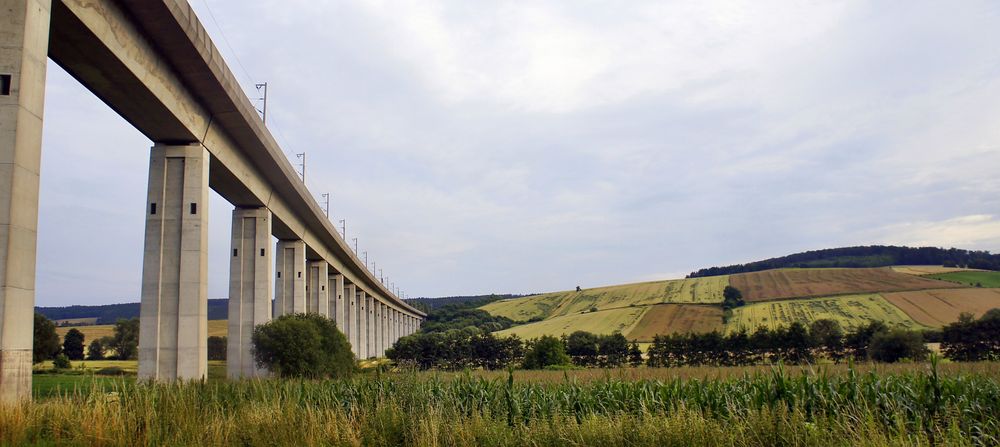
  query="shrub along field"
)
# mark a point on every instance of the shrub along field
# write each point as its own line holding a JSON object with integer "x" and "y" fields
{"x": 970, "y": 278}
{"x": 548, "y": 305}
{"x": 600, "y": 322}
{"x": 671, "y": 318}
{"x": 939, "y": 307}
{"x": 849, "y": 311}
{"x": 767, "y": 407}
{"x": 807, "y": 283}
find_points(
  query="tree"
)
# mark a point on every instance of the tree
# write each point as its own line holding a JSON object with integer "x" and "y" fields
{"x": 303, "y": 345}
{"x": 856, "y": 343}
{"x": 544, "y": 352}
{"x": 125, "y": 342}
{"x": 73, "y": 344}
{"x": 46, "y": 341}
{"x": 634, "y": 355}
{"x": 582, "y": 347}
{"x": 613, "y": 350}
{"x": 216, "y": 348}
{"x": 731, "y": 297}
{"x": 827, "y": 335}
{"x": 96, "y": 350}
{"x": 895, "y": 345}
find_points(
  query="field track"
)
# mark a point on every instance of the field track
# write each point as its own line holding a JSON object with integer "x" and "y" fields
{"x": 941, "y": 307}
{"x": 801, "y": 283}
{"x": 667, "y": 319}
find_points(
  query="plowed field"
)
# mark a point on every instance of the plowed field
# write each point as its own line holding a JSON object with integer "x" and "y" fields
{"x": 667, "y": 319}
{"x": 940, "y": 307}
{"x": 802, "y": 283}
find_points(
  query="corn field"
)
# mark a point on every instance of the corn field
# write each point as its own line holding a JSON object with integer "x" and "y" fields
{"x": 764, "y": 408}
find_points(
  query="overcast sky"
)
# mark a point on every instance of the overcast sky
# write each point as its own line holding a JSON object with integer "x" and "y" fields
{"x": 511, "y": 147}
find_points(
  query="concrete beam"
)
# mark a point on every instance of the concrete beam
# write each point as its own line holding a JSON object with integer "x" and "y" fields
{"x": 318, "y": 281}
{"x": 249, "y": 288}
{"x": 173, "y": 324}
{"x": 290, "y": 282}
{"x": 24, "y": 41}
{"x": 337, "y": 300}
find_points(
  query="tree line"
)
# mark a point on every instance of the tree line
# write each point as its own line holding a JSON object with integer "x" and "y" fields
{"x": 865, "y": 256}
{"x": 122, "y": 345}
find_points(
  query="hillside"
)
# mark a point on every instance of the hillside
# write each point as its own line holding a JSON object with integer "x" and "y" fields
{"x": 865, "y": 256}
{"x": 912, "y": 297}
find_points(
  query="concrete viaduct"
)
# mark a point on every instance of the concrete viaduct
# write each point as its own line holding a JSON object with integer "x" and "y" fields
{"x": 154, "y": 64}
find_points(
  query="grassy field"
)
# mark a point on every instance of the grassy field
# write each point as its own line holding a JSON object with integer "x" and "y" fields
{"x": 549, "y": 305}
{"x": 920, "y": 270}
{"x": 765, "y": 406}
{"x": 941, "y": 307}
{"x": 600, "y": 322}
{"x": 806, "y": 283}
{"x": 970, "y": 278}
{"x": 671, "y": 318}
{"x": 850, "y": 311}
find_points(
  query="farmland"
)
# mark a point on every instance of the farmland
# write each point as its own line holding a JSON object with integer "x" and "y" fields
{"x": 600, "y": 322}
{"x": 970, "y": 278}
{"x": 672, "y": 318}
{"x": 908, "y": 405}
{"x": 920, "y": 270}
{"x": 548, "y": 305}
{"x": 940, "y": 307}
{"x": 850, "y": 311}
{"x": 804, "y": 283}
{"x": 90, "y": 333}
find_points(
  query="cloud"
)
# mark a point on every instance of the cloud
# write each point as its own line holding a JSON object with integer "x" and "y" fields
{"x": 977, "y": 231}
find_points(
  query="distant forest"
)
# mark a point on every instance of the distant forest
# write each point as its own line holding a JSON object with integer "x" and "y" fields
{"x": 428, "y": 304}
{"x": 867, "y": 256}
{"x": 109, "y": 313}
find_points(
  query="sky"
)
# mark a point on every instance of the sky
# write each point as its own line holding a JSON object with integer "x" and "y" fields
{"x": 519, "y": 147}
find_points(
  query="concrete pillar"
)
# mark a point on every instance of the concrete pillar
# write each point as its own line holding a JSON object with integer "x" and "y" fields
{"x": 24, "y": 47}
{"x": 385, "y": 328}
{"x": 249, "y": 288}
{"x": 290, "y": 282}
{"x": 393, "y": 330}
{"x": 377, "y": 328}
{"x": 337, "y": 300}
{"x": 351, "y": 317}
{"x": 319, "y": 278}
{"x": 173, "y": 325}
{"x": 362, "y": 324}
{"x": 372, "y": 326}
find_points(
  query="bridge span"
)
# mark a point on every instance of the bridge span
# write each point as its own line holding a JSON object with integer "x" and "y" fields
{"x": 153, "y": 62}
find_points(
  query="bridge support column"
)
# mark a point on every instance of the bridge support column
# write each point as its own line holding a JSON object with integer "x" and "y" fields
{"x": 377, "y": 328}
{"x": 336, "y": 289}
{"x": 24, "y": 47}
{"x": 249, "y": 288}
{"x": 173, "y": 323}
{"x": 290, "y": 282}
{"x": 362, "y": 324}
{"x": 351, "y": 317}
{"x": 319, "y": 278}
{"x": 384, "y": 327}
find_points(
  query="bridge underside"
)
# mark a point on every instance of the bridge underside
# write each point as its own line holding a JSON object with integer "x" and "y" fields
{"x": 154, "y": 64}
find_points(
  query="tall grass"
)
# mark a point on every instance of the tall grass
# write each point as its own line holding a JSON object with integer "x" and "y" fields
{"x": 764, "y": 408}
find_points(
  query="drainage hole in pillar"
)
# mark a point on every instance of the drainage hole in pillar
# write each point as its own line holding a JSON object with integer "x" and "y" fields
{"x": 5, "y": 80}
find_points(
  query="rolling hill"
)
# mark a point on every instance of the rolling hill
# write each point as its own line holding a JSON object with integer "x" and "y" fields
{"x": 912, "y": 297}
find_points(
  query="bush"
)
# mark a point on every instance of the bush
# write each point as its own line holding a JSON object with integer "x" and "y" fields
{"x": 303, "y": 345}
{"x": 61, "y": 362}
{"x": 544, "y": 352}
{"x": 893, "y": 346}
{"x": 126, "y": 339}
